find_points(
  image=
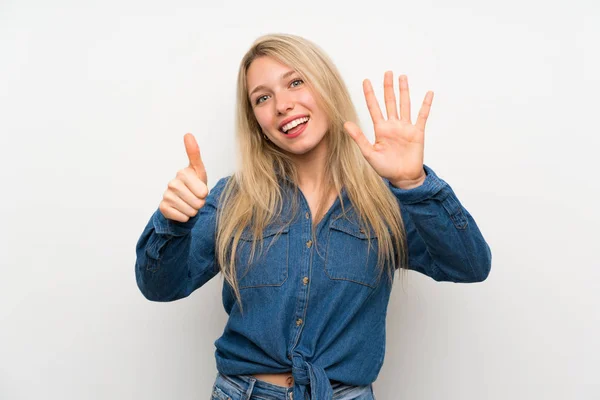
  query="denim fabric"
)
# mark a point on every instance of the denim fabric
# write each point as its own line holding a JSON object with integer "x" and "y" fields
{"x": 247, "y": 387}
{"x": 315, "y": 309}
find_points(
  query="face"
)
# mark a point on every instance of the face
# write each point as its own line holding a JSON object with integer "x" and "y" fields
{"x": 285, "y": 108}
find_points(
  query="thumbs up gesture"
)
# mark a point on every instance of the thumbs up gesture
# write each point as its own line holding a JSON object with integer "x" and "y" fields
{"x": 186, "y": 193}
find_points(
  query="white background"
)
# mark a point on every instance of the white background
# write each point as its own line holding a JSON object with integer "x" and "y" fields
{"x": 95, "y": 100}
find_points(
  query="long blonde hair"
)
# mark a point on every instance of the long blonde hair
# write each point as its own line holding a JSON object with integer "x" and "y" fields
{"x": 252, "y": 197}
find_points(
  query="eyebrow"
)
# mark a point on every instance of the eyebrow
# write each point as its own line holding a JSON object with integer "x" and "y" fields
{"x": 259, "y": 87}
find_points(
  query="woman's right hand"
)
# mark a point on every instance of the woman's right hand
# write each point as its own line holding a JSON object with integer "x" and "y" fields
{"x": 186, "y": 193}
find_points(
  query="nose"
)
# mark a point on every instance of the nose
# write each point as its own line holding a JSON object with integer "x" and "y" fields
{"x": 283, "y": 103}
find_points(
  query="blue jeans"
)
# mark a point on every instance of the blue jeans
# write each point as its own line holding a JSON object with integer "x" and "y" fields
{"x": 247, "y": 387}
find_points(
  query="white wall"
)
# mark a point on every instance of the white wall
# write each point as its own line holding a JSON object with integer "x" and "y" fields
{"x": 94, "y": 103}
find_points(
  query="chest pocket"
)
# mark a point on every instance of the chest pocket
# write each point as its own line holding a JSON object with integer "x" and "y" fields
{"x": 269, "y": 266}
{"x": 349, "y": 256}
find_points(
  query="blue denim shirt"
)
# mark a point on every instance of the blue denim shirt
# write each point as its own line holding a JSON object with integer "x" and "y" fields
{"x": 316, "y": 309}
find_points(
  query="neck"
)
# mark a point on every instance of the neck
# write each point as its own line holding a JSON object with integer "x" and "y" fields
{"x": 311, "y": 170}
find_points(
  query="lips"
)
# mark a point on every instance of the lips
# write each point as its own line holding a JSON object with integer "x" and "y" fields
{"x": 298, "y": 130}
{"x": 290, "y": 119}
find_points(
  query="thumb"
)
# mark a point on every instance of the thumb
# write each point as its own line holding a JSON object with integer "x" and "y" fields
{"x": 356, "y": 134}
{"x": 193, "y": 153}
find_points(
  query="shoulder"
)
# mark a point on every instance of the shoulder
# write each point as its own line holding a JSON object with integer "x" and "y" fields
{"x": 221, "y": 184}
{"x": 215, "y": 193}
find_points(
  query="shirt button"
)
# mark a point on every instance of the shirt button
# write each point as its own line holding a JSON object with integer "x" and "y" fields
{"x": 309, "y": 243}
{"x": 289, "y": 356}
{"x": 306, "y": 215}
{"x": 299, "y": 322}
{"x": 305, "y": 280}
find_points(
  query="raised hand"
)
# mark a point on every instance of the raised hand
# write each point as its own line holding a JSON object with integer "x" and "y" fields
{"x": 397, "y": 153}
{"x": 186, "y": 193}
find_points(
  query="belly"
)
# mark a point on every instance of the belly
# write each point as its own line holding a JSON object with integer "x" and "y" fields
{"x": 282, "y": 379}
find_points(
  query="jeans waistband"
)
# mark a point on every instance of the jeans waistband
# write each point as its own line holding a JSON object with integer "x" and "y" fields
{"x": 245, "y": 386}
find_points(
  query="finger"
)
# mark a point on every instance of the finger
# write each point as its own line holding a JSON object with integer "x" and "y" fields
{"x": 179, "y": 189}
{"x": 173, "y": 214}
{"x": 193, "y": 153}
{"x": 356, "y": 134}
{"x": 424, "y": 112}
{"x": 372, "y": 103}
{"x": 389, "y": 95}
{"x": 193, "y": 183}
{"x": 180, "y": 204}
{"x": 404, "y": 99}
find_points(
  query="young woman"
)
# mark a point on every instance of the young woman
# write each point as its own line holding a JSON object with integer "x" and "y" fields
{"x": 310, "y": 229}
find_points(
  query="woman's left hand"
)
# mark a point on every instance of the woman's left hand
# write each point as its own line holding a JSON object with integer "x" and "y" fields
{"x": 397, "y": 153}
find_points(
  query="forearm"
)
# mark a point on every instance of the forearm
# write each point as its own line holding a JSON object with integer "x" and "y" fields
{"x": 161, "y": 267}
{"x": 444, "y": 242}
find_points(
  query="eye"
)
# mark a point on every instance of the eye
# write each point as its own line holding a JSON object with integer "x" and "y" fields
{"x": 259, "y": 99}
{"x": 294, "y": 83}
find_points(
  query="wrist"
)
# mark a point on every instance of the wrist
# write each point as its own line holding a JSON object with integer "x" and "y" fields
{"x": 410, "y": 183}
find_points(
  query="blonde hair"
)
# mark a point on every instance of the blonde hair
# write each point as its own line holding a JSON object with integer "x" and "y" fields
{"x": 252, "y": 197}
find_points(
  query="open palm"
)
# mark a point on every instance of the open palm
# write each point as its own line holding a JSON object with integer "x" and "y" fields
{"x": 397, "y": 153}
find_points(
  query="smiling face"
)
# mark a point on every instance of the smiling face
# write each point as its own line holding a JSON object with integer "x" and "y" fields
{"x": 286, "y": 108}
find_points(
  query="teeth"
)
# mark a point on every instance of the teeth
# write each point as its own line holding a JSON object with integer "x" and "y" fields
{"x": 293, "y": 124}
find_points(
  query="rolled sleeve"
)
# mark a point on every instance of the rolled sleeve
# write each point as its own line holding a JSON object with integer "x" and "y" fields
{"x": 175, "y": 258}
{"x": 444, "y": 241}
